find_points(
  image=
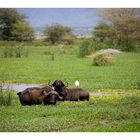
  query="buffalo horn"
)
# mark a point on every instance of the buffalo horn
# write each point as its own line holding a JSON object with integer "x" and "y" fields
{"x": 46, "y": 93}
{"x": 54, "y": 92}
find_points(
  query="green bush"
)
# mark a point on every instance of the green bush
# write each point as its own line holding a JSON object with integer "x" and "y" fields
{"x": 108, "y": 36}
{"x": 12, "y": 52}
{"x": 5, "y": 96}
{"x": 122, "y": 43}
{"x": 126, "y": 44}
{"x": 8, "y": 52}
{"x": 18, "y": 51}
{"x": 106, "y": 44}
{"x": 47, "y": 53}
{"x": 84, "y": 48}
{"x": 68, "y": 39}
{"x": 102, "y": 59}
{"x": 59, "y": 34}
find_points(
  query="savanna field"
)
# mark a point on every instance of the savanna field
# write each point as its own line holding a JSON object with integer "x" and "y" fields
{"x": 113, "y": 106}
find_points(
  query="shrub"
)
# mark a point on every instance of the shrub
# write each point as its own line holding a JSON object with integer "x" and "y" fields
{"x": 68, "y": 39}
{"x": 15, "y": 51}
{"x": 102, "y": 59}
{"x": 58, "y": 34}
{"x": 103, "y": 31}
{"x": 8, "y": 52}
{"x": 108, "y": 36}
{"x": 18, "y": 51}
{"x": 5, "y": 96}
{"x": 47, "y": 53}
{"x": 84, "y": 48}
{"x": 126, "y": 44}
{"x": 12, "y": 51}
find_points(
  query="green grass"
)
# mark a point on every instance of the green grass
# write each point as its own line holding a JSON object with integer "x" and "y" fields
{"x": 40, "y": 68}
{"x": 104, "y": 114}
{"x": 118, "y": 111}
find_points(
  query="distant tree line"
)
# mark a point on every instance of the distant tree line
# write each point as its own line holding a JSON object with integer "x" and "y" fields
{"x": 14, "y": 27}
{"x": 119, "y": 28}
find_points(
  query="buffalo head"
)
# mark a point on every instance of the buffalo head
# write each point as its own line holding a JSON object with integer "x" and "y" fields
{"x": 51, "y": 97}
{"x": 60, "y": 87}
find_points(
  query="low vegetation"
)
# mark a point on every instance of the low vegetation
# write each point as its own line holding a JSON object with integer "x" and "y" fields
{"x": 83, "y": 48}
{"x": 102, "y": 113}
{"x": 5, "y": 96}
{"x": 39, "y": 68}
{"x": 16, "y": 51}
{"x": 102, "y": 59}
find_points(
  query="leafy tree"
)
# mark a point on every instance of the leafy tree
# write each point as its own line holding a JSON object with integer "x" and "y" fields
{"x": 58, "y": 34}
{"x": 121, "y": 25}
{"x": 103, "y": 31}
{"x": 21, "y": 31}
{"x": 125, "y": 20}
{"x": 9, "y": 18}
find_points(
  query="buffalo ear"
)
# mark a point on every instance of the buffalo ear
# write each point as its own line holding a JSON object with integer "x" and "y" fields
{"x": 54, "y": 84}
{"x": 63, "y": 84}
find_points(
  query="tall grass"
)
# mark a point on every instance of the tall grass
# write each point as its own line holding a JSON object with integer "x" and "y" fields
{"x": 15, "y": 51}
{"x": 84, "y": 48}
{"x": 112, "y": 113}
{"x": 11, "y": 52}
{"x": 39, "y": 68}
{"x": 5, "y": 96}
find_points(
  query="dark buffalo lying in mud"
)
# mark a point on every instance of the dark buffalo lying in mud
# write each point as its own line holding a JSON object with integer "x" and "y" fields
{"x": 36, "y": 95}
{"x": 71, "y": 94}
{"x": 75, "y": 94}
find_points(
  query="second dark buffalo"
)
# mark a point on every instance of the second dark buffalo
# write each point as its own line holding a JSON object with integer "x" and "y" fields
{"x": 71, "y": 94}
{"x": 75, "y": 94}
{"x": 58, "y": 85}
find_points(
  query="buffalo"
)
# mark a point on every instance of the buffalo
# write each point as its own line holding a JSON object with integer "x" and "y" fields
{"x": 71, "y": 94}
{"x": 75, "y": 94}
{"x": 36, "y": 95}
